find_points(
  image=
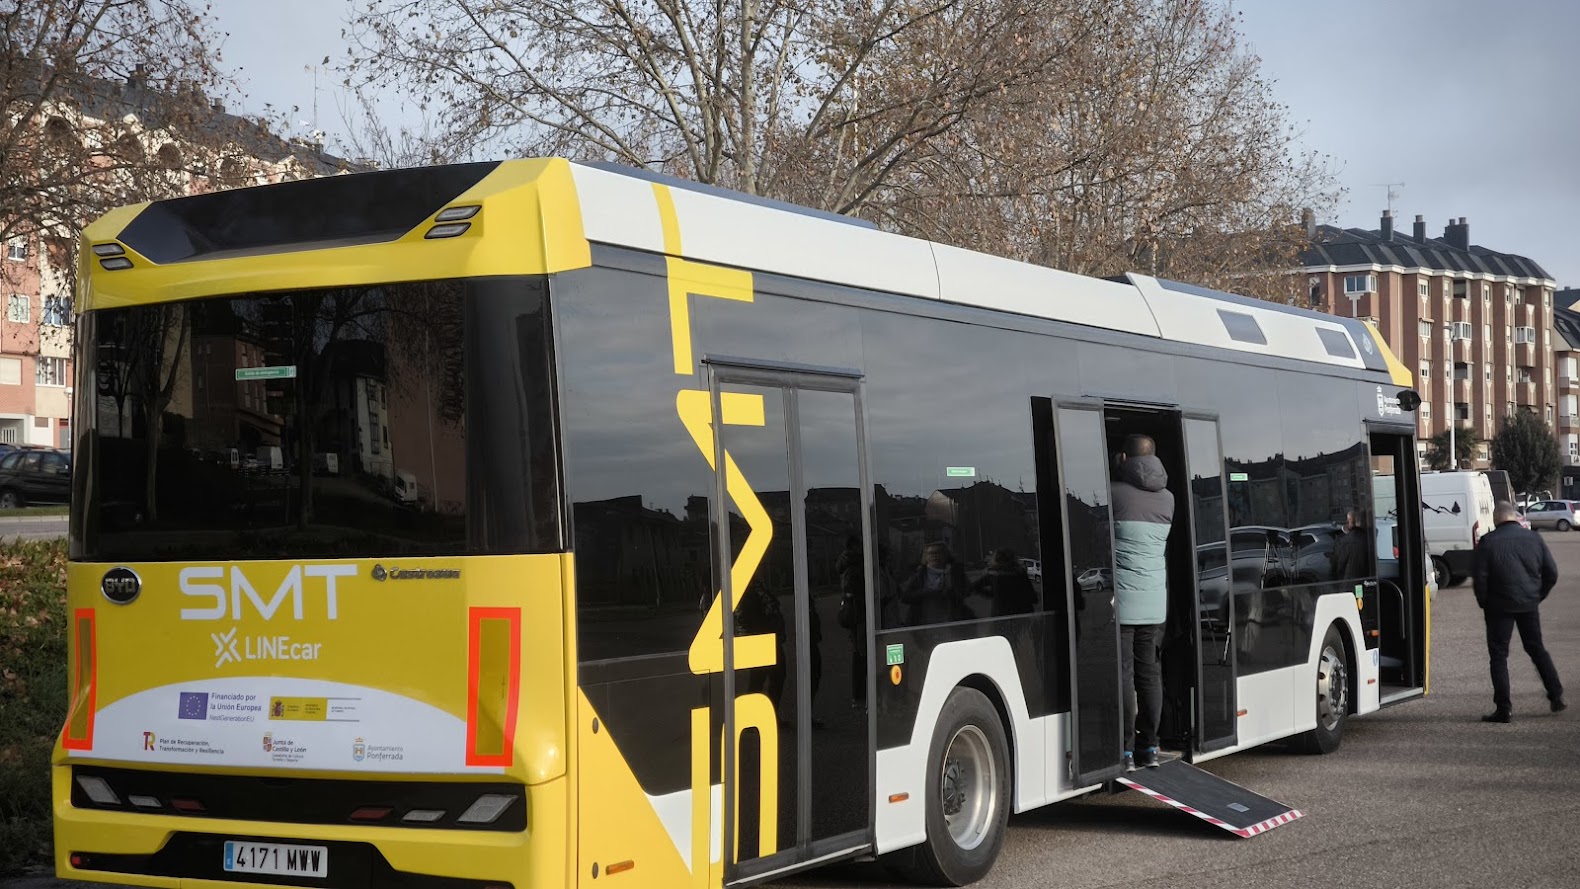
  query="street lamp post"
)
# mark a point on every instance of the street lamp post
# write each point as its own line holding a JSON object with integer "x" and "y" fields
{"x": 1453, "y": 420}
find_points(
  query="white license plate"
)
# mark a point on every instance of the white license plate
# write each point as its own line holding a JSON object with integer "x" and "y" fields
{"x": 275, "y": 858}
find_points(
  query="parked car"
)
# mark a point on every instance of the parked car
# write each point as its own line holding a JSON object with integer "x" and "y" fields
{"x": 1559, "y": 515}
{"x": 34, "y": 475}
{"x": 1033, "y": 568}
{"x": 1093, "y": 579}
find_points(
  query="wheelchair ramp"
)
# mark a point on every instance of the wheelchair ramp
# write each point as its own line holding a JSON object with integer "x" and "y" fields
{"x": 1210, "y": 798}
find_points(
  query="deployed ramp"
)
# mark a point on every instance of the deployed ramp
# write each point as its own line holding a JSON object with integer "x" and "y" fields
{"x": 1210, "y": 798}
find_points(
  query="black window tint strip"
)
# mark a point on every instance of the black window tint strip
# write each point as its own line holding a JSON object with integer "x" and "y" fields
{"x": 362, "y": 208}
{"x": 1242, "y": 328}
{"x": 1337, "y": 344}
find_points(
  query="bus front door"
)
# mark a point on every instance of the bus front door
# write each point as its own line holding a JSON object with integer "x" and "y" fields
{"x": 794, "y": 534}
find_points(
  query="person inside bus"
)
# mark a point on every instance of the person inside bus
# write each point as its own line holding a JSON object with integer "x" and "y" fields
{"x": 1143, "y": 510}
{"x": 1351, "y": 554}
{"x": 935, "y": 592}
{"x": 1006, "y": 586}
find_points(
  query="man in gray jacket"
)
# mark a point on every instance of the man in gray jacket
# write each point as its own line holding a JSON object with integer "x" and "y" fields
{"x": 1143, "y": 514}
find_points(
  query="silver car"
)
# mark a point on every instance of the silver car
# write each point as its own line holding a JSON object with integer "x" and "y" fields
{"x": 1560, "y": 515}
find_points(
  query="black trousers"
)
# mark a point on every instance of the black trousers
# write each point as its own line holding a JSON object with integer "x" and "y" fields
{"x": 1141, "y": 678}
{"x": 1500, "y": 628}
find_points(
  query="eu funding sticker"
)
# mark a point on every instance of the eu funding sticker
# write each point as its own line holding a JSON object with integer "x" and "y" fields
{"x": 961, "y": 472}
{"x": 281, "y": 372}
{"x": 1239, "y": 476}
{"x": 895, "y": 655}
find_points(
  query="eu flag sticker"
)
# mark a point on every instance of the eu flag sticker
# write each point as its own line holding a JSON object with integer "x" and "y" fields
{"x": 194, "y": 705}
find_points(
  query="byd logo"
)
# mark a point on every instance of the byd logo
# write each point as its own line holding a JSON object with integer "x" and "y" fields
{"x": 227, "y": 599}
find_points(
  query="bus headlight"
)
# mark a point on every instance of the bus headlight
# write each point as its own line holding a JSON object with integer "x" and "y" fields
{"x": 488, "y": 807}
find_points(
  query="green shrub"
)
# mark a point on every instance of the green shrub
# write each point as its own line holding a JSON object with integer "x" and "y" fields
{"x": 32, "y": 694}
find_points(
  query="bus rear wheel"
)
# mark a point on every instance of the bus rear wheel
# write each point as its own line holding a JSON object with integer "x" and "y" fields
{"x": 968, "y": 795}
{"x": 1333, "y": 697}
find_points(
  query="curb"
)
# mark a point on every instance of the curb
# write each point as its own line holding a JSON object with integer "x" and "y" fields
{"x": 33, "y": 519}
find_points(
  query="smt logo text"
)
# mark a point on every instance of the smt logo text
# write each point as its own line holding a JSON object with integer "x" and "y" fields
{"x": 235, "y": 592}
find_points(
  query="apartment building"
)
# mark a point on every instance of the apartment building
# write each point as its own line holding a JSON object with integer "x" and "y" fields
{"x": 36, "y": 359}
{"x": 1474, "y": 324}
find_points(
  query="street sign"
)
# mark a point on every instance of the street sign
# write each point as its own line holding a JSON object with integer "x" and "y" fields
{"x": 283, "y": 372}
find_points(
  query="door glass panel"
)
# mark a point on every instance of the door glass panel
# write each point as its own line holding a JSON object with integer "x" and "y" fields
{"x": 1215, "y": 604}
{"x": 1096, "y": 706}
{"x": 766, "y": 715}
{"x": 836, "y": 645}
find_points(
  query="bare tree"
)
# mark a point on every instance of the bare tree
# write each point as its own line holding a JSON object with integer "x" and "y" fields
{"x": 86, "y": 86}
{"x": 738, "y": 93}
{"x": 1097, "y": 136}
{"x": 1157, "y": 147}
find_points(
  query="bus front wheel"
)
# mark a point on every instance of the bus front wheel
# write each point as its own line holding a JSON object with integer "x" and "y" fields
{"x": 968, "y": 794}
{"x": 1333, "y": 697}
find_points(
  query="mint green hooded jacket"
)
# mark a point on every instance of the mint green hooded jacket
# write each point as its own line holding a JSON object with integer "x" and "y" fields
{"x": 1143, "y": 514}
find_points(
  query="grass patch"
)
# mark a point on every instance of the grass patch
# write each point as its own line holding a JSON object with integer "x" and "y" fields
{"x": 32, "y": 694}
{"x": 31, "y": 511}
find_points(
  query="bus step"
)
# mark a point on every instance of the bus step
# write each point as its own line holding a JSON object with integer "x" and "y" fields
{"x": 1210, "y": 798}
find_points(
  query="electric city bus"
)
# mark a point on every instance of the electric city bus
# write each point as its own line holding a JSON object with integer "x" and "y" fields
{"x": 544, "y": 524}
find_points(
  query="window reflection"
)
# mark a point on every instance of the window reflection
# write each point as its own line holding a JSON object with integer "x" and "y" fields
{"x": 311, "y": 423}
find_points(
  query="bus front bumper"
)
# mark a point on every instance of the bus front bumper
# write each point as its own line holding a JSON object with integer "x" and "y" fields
{"x": 127, "y": 847}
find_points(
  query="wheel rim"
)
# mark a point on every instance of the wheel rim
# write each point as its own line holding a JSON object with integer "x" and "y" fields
{"x": 968, "y": 787}
{"x": 7, "y": 500}
{"x": 1332, "y": 689}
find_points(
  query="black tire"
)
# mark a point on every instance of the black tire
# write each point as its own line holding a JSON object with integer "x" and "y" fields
{"x": 1456, "y": 579}
{"x": 11, "y": 500}
{"x": 1440, "y": 570}
{"x": 1332, "y": 688}
{"x": 1563, "y": 525}
{"x": 970, "y": 723}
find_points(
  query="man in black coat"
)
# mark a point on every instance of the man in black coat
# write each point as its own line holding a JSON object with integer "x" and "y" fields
{"x": 1514, "y": 572}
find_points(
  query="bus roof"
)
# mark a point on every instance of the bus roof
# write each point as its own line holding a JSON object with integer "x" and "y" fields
{"x": 253, "y": 232}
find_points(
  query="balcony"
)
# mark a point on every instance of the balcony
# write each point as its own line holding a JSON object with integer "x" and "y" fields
{"x": 1463, "y": 390}
{"x": 1525, "y": 393}
{"x": 1568, "y": 422}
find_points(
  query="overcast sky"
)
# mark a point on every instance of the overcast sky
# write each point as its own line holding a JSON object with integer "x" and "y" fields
{"x": 1471, "y": 104}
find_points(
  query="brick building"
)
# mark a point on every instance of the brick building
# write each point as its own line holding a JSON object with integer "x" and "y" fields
{"x": 36, "y": 366}
{"x": 1475, "y": 325}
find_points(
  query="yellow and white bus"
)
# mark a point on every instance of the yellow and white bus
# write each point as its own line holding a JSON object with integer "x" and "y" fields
{"x": 545, "y": 524}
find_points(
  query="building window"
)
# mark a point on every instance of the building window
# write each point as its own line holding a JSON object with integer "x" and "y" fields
{"x": 1461, "y": 370}
{"x": 1549, "y": 415}
{"x": 19, "y": 309}
{"x": 1462, "y": 411}
{"x": 1424, "y": 288}
{"x": 1488, "y": 367}
{"x": 1525, "y": 375}
{"x": 10, "y": 371}
{"x": 1461, "y": 330}
{"x": 1426, "y": 410}
{"x": 1508, "y": 408}
{"x": 50, "y": 371}
{"x": 1426, "y": 371}
{"x": 1426, "y": 328}
{"x": 1461, "y": 289}
{"x": 1486, "y": 294}
{"x": 57, "y": 312}
{"x": 16, "y": 249}
{"x": 1525, "y": 334}
{"x": 1360, "y": 283}
{"x": 1486, "y": 333}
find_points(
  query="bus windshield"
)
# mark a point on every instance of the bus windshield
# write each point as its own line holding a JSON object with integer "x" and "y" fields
{"x": 335, "y": 423}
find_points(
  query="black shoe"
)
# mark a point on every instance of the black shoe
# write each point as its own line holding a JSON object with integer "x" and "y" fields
{"x": 1498, "y": 716}
{"x": 1147, "y": 758}
{"x": 1558, "y": 705}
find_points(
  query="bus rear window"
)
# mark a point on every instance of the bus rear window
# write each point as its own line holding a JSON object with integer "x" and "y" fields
{"x": 337, "y": 423}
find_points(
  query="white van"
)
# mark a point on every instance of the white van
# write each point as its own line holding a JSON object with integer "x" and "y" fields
{"x": 1456, "y": 509}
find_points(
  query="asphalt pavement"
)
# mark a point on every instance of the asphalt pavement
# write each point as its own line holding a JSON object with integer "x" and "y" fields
{"x": 32, "y": 527}
{"x": 1419, "y": 796}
